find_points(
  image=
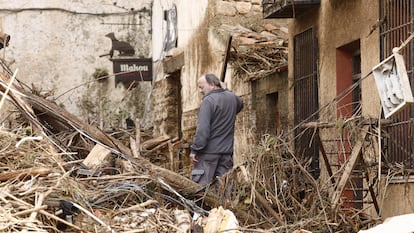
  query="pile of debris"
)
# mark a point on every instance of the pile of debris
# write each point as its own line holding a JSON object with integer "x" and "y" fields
{"x": 40, "y": 192}
{"x": 61, "y": 174}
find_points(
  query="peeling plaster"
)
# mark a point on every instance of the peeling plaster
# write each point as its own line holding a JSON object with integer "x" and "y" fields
{"x": 56, "y": 46}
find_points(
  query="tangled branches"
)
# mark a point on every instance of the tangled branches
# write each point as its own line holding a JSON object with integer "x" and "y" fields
{"x": 259, "y": 60}
{"x": 276, "y": 189}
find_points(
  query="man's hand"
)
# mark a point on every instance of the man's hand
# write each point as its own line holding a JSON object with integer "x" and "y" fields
{"x": 193, "y": 158}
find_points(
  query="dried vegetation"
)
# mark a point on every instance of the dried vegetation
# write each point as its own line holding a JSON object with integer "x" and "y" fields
{"x": 258, "y": 54}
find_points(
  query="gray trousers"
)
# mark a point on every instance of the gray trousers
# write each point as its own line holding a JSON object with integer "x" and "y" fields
{"x": 209, "y": 166}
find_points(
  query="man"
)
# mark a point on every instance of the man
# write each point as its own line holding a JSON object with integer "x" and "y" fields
{"x": 212, "y": 149}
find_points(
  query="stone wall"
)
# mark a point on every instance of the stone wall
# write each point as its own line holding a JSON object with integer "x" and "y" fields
{"x": 238, "y": 7}
{"x": 166, "y": 118}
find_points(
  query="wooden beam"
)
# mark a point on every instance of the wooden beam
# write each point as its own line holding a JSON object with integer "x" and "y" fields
{"x": 371, "y": 190}
{"x": 151, "y": 143}
{"x": 325, "y": 158}
{"x": 350, "y": 164}
{"x": 226, "y": 59}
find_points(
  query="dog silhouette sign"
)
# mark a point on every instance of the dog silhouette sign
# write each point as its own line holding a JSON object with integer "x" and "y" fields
{"x": 123, "y": 48}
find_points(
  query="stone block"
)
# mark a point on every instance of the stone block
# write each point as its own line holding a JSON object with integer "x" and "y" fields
{"x": 257, "y": 8}
{"x": 243, "y": 7}
{"x": 173, "y": 63}
{"x": 226, "y": 8}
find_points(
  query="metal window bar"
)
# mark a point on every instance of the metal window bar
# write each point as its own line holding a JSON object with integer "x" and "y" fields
{"x": 397, "y": 24}
{"x": 306, "y": 94}
{"x": 356, "y": 76}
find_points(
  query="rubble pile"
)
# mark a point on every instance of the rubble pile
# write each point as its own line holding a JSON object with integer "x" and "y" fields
{"x": 39, "y": 193}
{"x": 46, "y": 186}
{"x": 54, "y": 180}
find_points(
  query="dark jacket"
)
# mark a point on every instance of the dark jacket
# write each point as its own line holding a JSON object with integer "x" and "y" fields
{"x": 216, "y": 119}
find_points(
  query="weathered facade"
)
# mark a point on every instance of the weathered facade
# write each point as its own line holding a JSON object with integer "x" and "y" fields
{"x": 201, "y": 43}
{"x": 59, "y": 48}
{"x": 333, "y": 47}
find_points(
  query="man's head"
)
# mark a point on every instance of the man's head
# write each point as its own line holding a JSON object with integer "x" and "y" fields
{"x": 207, "y": 83}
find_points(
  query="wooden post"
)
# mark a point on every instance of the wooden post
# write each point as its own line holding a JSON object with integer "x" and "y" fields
{"x": 173, "y": 145}
{"x": 136, "y": 144}
{"x": 134, "y": 149}
{"x": 138, "y": 135}
{"x": 171, "y": 155}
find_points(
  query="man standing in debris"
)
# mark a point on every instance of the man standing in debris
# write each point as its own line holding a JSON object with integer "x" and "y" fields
{"x": 212, "y": 149}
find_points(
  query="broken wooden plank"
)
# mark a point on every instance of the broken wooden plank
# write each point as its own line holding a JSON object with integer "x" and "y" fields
{"x": 35, "y": 171}
{"x": 96, "y": 157}
{"x": 151, "y": 143}
{"x": 350, "y": 164}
